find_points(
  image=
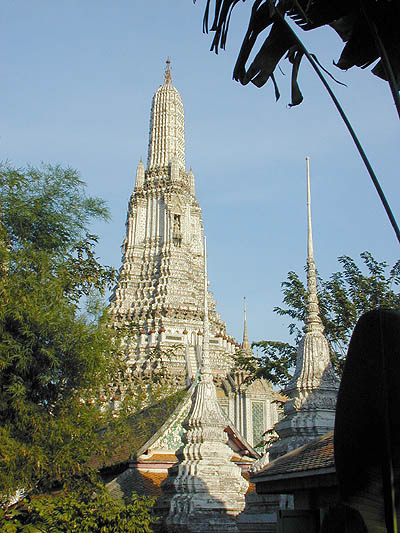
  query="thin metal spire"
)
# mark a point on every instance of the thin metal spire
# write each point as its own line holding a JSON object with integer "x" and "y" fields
{"x": 313, "y": 319}
{"x": 310, "y": 248}
{"x": 245, "y": 345}
{"x": 167, "y": 75}
{"x": 205, "y": 363}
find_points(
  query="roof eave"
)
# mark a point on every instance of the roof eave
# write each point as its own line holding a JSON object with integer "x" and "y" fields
{"x": 287, "y": 483}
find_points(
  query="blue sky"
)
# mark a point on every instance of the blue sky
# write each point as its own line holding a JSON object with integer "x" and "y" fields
{"x": 77, "y": 80}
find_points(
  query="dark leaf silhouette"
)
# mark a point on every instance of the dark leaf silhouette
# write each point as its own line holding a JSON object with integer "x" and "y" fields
{"x": 368, "y": 27}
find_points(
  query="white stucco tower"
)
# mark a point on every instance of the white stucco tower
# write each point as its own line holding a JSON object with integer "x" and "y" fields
{"x": 160, "y": 292}
{"x": 206, "y": 490}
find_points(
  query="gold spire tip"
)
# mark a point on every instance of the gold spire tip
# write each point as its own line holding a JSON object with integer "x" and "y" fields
{"x": 167, "y": 75}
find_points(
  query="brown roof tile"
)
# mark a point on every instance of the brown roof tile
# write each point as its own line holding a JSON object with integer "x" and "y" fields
{"x": 312, "y": 456}
{"x": 152, "y": 481}
{"x": 133, "y": 480}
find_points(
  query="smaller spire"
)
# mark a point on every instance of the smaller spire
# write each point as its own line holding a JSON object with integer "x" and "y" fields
{"x": 312, "y": 391}
{"x": 205, "y": 363}
{"x": 313, "y": 319}
{"x": 167, "y": 75}
{"x": 140, "y": 174}
{"x": 245, "y": 345}
{"x": 191, "y": 181}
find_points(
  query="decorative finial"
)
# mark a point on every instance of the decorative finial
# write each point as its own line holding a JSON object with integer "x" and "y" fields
{"x": 313, "y": 319}
{"x": 167, "y": 75}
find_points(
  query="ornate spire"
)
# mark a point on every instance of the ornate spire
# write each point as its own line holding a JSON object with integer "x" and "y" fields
{"x": 140, "y": 174}
{"x": 198, "y": 497}
{"x": 313, "y": 319}
{"x": 312, "y": 392}
{"x": 167, "y": 129}
{"x": 205, "y": 363}
{"x": 245, "y": 345}
{"x": 167, "y": 72}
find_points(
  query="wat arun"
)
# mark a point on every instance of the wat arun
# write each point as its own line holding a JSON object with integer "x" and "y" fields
{"x": 160, "y": 293}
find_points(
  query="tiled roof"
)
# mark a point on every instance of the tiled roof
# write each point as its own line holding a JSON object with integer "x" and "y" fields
{"x": 133, "y": 480}
{"x": 138, "y": 430}
{"x": 314, "y": 455}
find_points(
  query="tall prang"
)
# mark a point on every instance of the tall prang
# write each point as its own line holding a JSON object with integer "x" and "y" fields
{"x": 160, "y": 292}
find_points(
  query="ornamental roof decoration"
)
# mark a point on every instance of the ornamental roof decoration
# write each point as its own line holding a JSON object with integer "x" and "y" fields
{"x": 167, "y": 72}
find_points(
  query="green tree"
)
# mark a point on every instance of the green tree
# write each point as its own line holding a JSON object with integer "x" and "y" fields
{"x": 70, "y": 512}
{"x": 343, "y": 298}
{"x": 55, "y": 360}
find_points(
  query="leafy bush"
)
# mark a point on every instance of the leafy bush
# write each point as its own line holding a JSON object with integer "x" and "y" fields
{"x": 70, "y": 513}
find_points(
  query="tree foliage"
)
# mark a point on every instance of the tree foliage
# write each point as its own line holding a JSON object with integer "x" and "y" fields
{"x": 72, "y": 512}
{"x": 274, "y": 362}
{"x": 46, "y": 207}
{"x": 343, "y": 298}
{"x": 54, "y": 359}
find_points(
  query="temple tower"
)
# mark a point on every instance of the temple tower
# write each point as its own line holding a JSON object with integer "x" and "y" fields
{"x": 312, "y": 392}
{"x": 206, "y": 489}
{"x": 167, "y": 127}
{"x": 160, "y": 292}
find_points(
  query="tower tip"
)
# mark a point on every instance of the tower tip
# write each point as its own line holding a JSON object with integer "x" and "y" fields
{"x": 167, "y": 72}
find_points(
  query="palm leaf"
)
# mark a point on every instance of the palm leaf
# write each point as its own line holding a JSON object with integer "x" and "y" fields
{"x": 368, "y": 27}
{"x": 360, "y": 24}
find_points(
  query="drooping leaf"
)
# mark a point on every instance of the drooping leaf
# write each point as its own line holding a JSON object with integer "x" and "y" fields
{"x": 359, "y": 23}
